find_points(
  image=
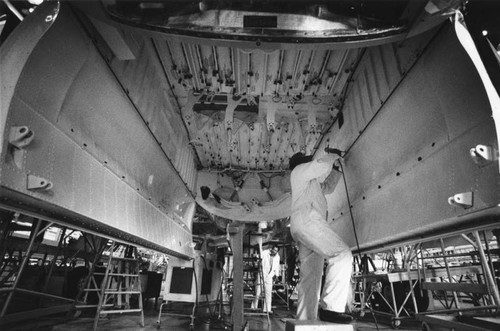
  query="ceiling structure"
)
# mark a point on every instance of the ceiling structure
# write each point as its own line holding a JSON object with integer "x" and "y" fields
{"x": 251, "y": 106}
{"x": 254, "y": 109}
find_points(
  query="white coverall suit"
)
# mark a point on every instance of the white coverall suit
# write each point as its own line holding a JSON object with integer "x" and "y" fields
{"x": 317, "y": 242}
{"x": 270, "y": 268}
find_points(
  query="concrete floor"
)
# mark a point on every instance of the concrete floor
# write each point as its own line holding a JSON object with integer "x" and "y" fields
{"x": 204, "y": 320}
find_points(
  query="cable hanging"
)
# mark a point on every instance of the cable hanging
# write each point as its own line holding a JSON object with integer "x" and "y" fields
{"x": 355, "y": 232}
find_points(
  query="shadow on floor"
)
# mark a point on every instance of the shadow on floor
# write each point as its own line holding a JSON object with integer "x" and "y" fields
{"x": 207, "y": 318}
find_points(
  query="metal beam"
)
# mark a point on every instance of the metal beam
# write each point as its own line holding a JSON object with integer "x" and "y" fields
{"x": 236, "y": 234}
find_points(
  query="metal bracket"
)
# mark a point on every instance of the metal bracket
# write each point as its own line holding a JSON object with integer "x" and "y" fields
{"x": 271, "y": 119}
{"x": 36, "y": 183}
{"x": 20, "y": 136}
{"x": 464, "y": 199}
{"x": 311, "y": 120}
{"x": 482, "y": 154}
{"x": 256, "y": 202}
{"x": 232, "y": 229}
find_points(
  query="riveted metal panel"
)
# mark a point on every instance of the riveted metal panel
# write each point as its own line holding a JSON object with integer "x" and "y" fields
{"x": 378, "y": 73}
{"x": 415, "y": 203}
{"x": 415, "y": 154}
{"x": 85, "y": 186}
{"x": 83, "y": 146}
{"x": 367, "y": 94}
{"x": 97, "y": 191}
{"x": 409, "y": 50}
{"x": 111, "y": 204}
{"x": 98, "y": 113}
{"x": 54, "y": 72}
{"x": 145, "y": 81}
{"x": 23, "y": 41}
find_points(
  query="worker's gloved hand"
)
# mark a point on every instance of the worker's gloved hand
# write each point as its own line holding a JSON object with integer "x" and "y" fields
{"x": 334, "y": 151}
{"x": 336, "y": 165}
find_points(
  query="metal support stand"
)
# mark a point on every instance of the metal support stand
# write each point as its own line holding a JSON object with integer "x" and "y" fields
{"x": 237, "y": 315}
{"x": 91, "y": 285}
{"x": 35, "y": 227}
{"x": 258, "y": 295}
{"x": 252, "y": 265}
{"x": 481, "y": 317}
{"x": 13, "y": 272}
{"x": 121, "y": 281}
{"x": 195, "y": 304}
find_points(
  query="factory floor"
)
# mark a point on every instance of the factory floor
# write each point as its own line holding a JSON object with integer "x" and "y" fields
{"x": 206, "y": 319}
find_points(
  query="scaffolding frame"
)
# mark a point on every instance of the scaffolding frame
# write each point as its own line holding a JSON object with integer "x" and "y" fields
{"x": 485, "y": 286}
{"x": 13, "y": 270}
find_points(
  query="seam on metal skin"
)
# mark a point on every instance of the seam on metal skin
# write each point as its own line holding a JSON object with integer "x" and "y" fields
{"x": 396, "y": 85}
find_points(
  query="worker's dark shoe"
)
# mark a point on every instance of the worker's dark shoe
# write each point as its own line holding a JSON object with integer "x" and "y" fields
{"x": 334, "y": 317}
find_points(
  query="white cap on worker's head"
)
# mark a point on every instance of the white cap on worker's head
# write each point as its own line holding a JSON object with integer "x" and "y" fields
{"x": 262, "y": 225}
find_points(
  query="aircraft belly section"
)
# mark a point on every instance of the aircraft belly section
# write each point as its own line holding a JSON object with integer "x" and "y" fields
{"x": 410, "y": 172}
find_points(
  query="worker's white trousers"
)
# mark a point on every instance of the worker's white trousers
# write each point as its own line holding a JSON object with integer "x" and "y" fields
{"x": 317, "y": 242}
{"x": 268, "y": 294}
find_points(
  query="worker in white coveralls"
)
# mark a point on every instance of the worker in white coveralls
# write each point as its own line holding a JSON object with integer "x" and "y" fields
{"x": 317, "y": 242}
{"x": 270, "y": 262}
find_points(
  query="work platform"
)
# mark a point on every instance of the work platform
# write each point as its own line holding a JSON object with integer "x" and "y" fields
{"x": 464, "y": 323}
{"x": 314, "y": 325}
{"x": 459, "y": 273}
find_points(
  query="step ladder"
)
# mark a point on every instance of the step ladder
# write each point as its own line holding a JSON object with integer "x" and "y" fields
{"x": 120, "y": 284}
{"x": 91, "y": 284}
{"x": 258, "y": 283}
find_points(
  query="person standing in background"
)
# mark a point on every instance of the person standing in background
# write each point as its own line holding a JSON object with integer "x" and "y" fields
{"x": 270, "y": 263}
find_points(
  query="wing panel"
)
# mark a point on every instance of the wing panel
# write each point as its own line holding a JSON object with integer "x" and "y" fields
{"x": 414, "y": 155}
{"x": 107, "y": 173}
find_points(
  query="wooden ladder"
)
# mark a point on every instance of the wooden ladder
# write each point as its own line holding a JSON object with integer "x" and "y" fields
{"x": 121, "y": 281}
